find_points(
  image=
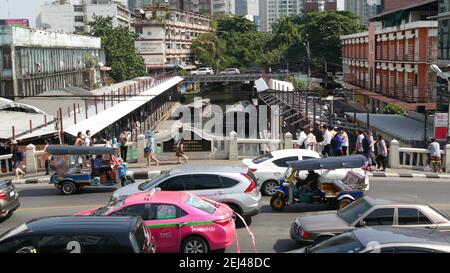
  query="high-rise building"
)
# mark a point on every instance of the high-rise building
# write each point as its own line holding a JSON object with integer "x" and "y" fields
{"x": 364, "y": 9}
{"x": 270, "y": 11}
{"x": 319, "y": 5}
{"x": 223, "y": 7}
{"x": 247, "y": 7}
{"x": 73, "y": 16}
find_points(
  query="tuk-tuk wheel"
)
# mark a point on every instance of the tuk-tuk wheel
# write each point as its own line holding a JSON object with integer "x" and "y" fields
{"x": 277, "y": 202}
{"x": 126, "y": 180}
{"x": 68, "y": 187}
{"x": 344, "y": 202}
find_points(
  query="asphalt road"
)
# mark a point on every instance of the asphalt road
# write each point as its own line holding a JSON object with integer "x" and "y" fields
{"x": 271, "y": 229}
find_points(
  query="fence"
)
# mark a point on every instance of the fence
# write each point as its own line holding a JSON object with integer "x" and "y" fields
{"x": 414, "y": 158}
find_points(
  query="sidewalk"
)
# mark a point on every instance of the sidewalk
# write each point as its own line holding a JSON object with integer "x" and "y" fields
{"x": 141, "y": 171}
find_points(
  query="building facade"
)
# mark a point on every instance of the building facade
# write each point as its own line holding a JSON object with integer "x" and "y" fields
{"x": 390, "y": 64}
{"x": 247, "y": 7}
{"x": 319, "y": 5}
{"x": 34, "y": 61}
{"x": 203, "y": 7}
{"x": 364, "y": 9}
{"x": 223, "y": 7}
{"x": 74, "y": 16}
{"x": 166, "y": 36}
{"x": 270, "y": 11}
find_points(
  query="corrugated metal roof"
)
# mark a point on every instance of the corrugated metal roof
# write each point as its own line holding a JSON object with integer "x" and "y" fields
{"x": 400, "y": 127}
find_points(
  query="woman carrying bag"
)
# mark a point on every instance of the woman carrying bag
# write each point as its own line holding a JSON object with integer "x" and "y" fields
{"x": 149, "y": 150}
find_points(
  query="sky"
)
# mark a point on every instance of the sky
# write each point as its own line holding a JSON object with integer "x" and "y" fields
{"x": 22, "y": 9}
{"x": 29, "y": 9}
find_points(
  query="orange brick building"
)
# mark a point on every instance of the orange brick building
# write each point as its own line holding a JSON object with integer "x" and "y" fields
{"x": 390, "y": 63}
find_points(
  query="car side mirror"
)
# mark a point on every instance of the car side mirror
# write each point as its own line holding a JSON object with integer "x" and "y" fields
{"x": 361, "y": 223}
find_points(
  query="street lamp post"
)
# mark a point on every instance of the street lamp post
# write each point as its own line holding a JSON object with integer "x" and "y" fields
{"x": 308, "y": 51}
{"x": 442, "y": 75}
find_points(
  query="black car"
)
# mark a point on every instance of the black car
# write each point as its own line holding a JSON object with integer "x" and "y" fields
{"x": 79, "y": 234}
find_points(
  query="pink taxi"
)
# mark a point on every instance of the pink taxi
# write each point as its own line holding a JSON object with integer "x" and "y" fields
{"x": 179, "y": 221}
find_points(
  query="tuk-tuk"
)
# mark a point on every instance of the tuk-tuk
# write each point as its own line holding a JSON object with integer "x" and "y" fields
{"x": 74, "y": 167}
{"x": 336, "y": 194}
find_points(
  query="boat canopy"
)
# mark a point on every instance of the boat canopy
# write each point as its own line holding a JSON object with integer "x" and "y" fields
{"x": 330, "y": 163}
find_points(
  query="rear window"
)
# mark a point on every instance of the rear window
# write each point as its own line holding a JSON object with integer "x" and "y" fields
{"x": 200, "y": 204}
{"x": 262, "y": 158}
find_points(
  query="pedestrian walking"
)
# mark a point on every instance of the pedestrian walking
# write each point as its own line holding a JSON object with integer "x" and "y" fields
{"x": 46, "y": 157}
{"x": 382, "y": 153}
{"x": 338, "y": 142}
{"x": 435, "y": 154}
{"x": 345, "y": 143}
{"x": 149, "y": 150}
{"x": 310, "y": 140}
{"x": 326, "y": 141}
{"x": 17, "y": 158}
{"x": 302, "y": 139}
{"x": 367, "y": 150}
{"x": 88, "y": 139}
{"x": 179, "y": 142}
{"x": 317, "y": 131}
{"x": 123, "y": 138}
{"x": 79, "y": 141}
{"x": 359, "y": 138}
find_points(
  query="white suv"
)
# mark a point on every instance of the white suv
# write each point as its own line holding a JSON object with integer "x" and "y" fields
{"x": 271, "y": 167}
{"x": 203, "y": 71}
{"x": 235, "y": 186}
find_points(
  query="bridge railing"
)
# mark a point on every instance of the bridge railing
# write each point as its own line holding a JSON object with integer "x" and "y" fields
{"x": 415, "y": 158}
{"x": 243, "y": 147}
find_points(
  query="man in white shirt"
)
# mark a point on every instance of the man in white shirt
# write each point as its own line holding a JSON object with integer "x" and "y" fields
{"x": 345, "y": 143}
{"x": 360, "y": 136}
{"x": 435, "y": 154}
{"x": 326, "y": 141}
{"x": 87, "y": 139}
{"x": 310, "y": 140}
{"x": 301, "y": 139}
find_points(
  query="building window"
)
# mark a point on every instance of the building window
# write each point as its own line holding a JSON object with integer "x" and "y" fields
{"x": 139, "y": 30}
{"x": 6, "y": 58}
{"x": 78, "y": 8}
{"x": 444, "y": 39}
{"x": 79, "y": 19}
{"x": 79, "y": 29}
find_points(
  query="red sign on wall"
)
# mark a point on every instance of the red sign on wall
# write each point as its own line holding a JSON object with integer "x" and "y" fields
{"x": 440, "y": 126}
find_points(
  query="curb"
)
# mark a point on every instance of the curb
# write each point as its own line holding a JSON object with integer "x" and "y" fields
{"x": 410, "y": 175}
{"x": 46, "y": 180}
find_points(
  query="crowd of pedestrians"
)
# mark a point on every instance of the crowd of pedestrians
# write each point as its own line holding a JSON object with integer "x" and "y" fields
{"x": 334, "y": 141}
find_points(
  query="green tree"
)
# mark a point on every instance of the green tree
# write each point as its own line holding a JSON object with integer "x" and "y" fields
{"x": 298, "y": 84}
{"x": 235, "y": 23}
{"x": 209, "y": 49}
{"x": 392, "y": 109}
{"x": 120, "y": 52}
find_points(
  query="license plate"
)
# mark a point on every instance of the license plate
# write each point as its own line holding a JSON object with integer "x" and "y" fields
{"x": 11, "y": 194}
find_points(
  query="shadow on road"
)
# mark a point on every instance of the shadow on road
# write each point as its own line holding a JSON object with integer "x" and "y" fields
{"x": 56, "y": 192}
{"x": 284, "y": 245}
{"x": 296, "y": 208}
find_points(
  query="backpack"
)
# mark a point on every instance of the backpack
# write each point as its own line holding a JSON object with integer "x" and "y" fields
{"x": 20, "y": 155}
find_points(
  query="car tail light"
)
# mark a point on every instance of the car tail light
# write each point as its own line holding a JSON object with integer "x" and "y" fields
{"x": 303, "y": 233}
{"x": 3, "y": 196}
{"x": 252, "y": 170}
{"x": 253, "y": 186}
{"x": 223, "y": 222}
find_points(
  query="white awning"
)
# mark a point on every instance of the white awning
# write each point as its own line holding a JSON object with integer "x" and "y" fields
{"x": 112, "y": 114}
{"x": 261, "y": 85}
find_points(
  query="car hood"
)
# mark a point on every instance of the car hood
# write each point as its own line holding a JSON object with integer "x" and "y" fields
{"x": 86, "y": 212}
{"x": 127, "y": 190}
{"x": 322, "y": 221}
{"x": 247, "y": 162}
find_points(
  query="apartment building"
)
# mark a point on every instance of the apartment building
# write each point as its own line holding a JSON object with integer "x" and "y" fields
{"x": 390, "y": 63}
{"x": 166, "y": 36}
{"x": 73, "y": 16}
{"x": 364, "y": 9}
{"x": 319, "y": 5}
{"x": 203, "y": 7}
{"x": 270, "y": 11}
{"x": 35, "y": 61}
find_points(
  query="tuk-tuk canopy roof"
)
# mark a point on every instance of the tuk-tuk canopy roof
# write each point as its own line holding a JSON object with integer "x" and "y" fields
{"x": 78, "y": 150}
{"x": 330, "y": 163}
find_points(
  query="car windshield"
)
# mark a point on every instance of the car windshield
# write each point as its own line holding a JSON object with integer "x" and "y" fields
{"x": 108, "y": 208}
{"x": 344, "y": 243}
{"x": 353, "y": 211}
{"x": 262, "y": 158}
{"x": 152, "y": 182}
{"x": 200, "y": 204}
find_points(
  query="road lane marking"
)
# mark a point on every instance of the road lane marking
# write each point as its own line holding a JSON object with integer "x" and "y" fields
{"x": 59, "y": 207}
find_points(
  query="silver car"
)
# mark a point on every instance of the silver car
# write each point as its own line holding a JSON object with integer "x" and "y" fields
{"x": 383, "y": 240}
{"x": 9, "y": 199}
{"x": 235, "y": 186}
{"x": 319, "y": 226}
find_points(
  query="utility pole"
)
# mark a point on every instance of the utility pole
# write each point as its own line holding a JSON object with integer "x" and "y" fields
{"x": 85, "y": 16}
